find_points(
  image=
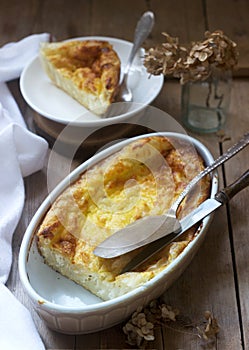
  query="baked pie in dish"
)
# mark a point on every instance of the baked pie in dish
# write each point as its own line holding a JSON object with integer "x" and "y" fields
{"x": 143, "y": 178}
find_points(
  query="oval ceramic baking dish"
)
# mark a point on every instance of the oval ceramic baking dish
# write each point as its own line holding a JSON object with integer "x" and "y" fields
{"x": 67, "y": 307}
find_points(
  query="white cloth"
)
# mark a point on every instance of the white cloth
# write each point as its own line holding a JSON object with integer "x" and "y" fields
{"x": 21, "y": 333}
{"x": 21, "y": 154}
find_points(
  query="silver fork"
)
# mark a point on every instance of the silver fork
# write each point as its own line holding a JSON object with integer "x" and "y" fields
{"x": 143, "y": 29}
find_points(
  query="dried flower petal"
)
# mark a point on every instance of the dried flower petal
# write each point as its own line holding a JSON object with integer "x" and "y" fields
{"x": 168, "y": 312}
{"x": 212, "y": 327}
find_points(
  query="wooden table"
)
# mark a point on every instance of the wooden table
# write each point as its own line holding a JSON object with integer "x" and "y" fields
{"x": 218, "y": 277}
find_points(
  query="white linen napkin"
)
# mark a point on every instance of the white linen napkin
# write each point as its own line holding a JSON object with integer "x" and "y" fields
{"x": 21, "y": 154}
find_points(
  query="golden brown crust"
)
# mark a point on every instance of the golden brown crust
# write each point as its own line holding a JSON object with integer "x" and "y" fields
{"x": 144, "y": 178}
{"x": 87, "y": 70}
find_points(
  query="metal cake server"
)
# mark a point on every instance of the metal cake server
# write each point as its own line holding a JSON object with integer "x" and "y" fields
{"x": 152, "y": 228}
{"x": 204, "y": 209}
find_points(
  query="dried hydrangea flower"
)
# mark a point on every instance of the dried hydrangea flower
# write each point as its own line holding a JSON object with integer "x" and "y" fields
{"x": 194, "y": 63}
{"x": 168, "y": 313}
{"x": 166, "y": 58}
{"x": 217, "y": 51}
{"x": 140, "y": 327}
{"x": 211, "y": 328}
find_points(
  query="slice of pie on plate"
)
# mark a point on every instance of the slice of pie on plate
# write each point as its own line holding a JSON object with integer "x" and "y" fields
{"x": 87, "y": 70}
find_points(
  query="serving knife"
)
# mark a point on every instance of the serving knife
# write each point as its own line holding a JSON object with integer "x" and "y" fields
{"x": 206, "y": 208}
{"x": 151, "y": 228}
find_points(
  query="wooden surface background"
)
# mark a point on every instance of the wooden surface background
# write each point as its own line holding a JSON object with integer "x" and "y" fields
{"x": 218, "y": 278}
{"x": 186, "y": 19}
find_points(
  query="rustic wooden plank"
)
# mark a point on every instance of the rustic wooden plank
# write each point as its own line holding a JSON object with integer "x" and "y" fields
{"x": 116, "y": 21}
{"x": 232, "y": 18}
{"x": 182, "y": 19}
{"x": 64, "y": 19}
{"x": 16, "y": 21}
{"x": 169, "y": 99}
{"x": 239, "y": 210}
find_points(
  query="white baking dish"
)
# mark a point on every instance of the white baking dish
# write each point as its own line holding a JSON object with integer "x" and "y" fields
{"x": 67, "y": 307}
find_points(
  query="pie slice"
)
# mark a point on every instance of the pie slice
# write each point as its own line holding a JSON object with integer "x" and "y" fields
{"x": 88, "y": 71}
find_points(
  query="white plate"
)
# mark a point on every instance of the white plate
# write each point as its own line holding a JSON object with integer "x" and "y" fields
{"x": 53, "y": 103}
{"x": 69, "y": 308}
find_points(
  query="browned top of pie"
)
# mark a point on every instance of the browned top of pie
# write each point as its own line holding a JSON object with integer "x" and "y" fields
{"x": 89, "y": 63}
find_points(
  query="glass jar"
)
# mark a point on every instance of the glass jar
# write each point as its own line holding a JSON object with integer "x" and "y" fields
{"x": 205, "y": 103}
